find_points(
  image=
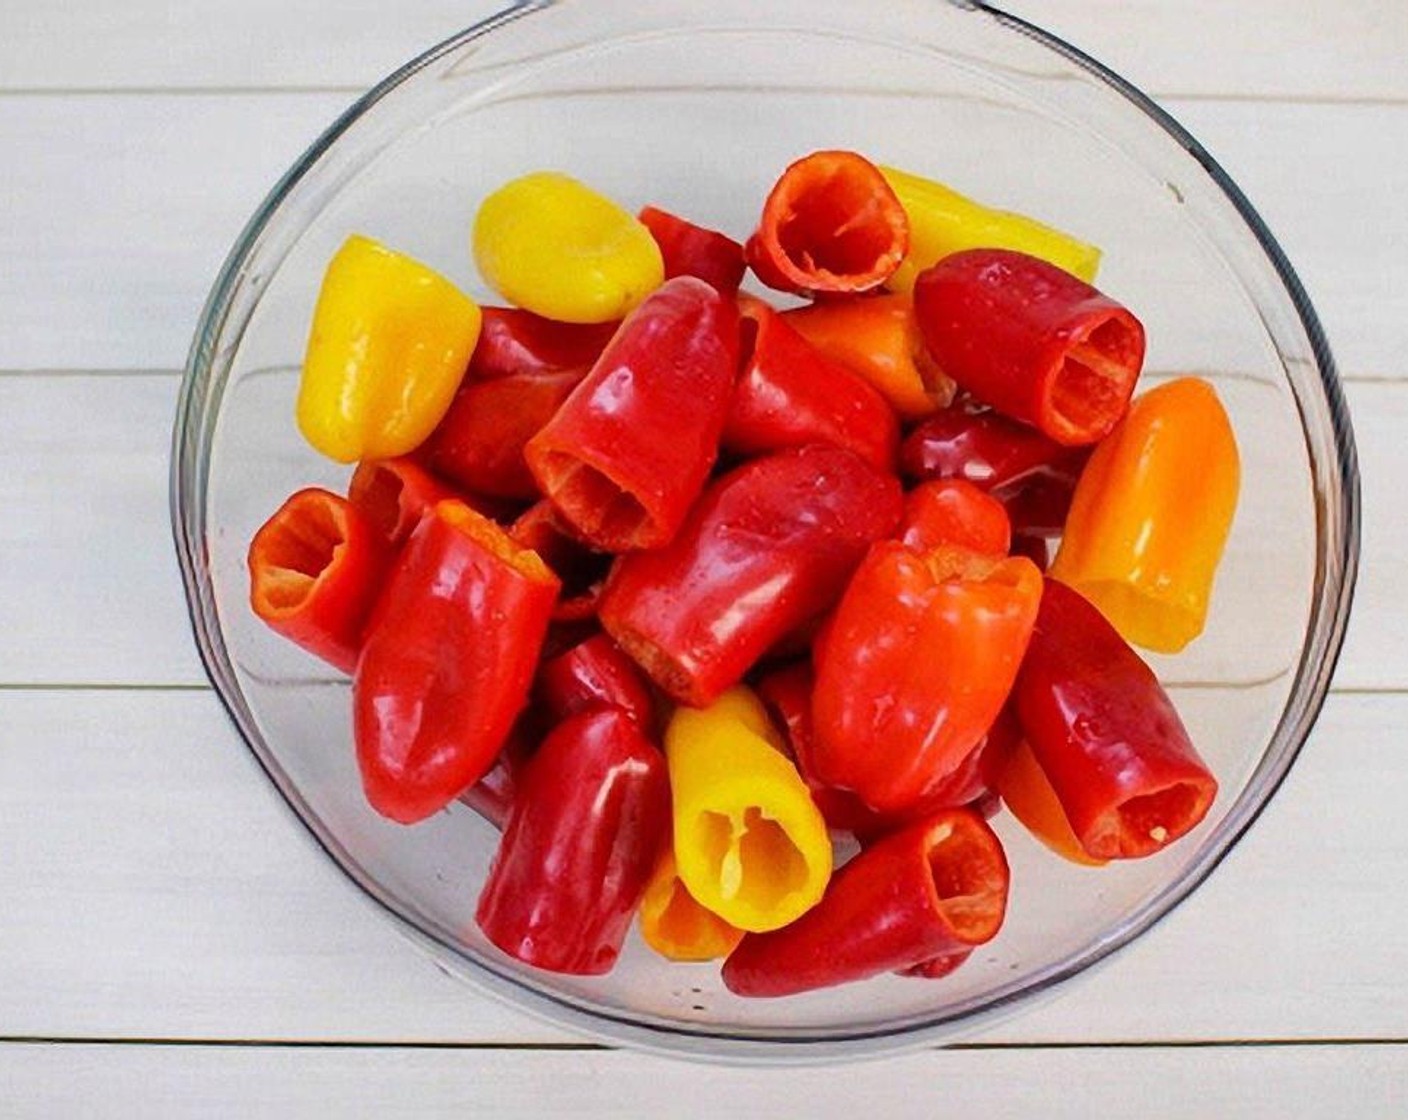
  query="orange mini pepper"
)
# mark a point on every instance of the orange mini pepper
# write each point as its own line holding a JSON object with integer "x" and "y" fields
{"x": 675, "y": 925}
{"x": 878, "y": 338}
{"x": 1151, "y": 515}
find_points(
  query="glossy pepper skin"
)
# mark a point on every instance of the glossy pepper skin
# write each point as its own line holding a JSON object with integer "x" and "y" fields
{"x": 935, "y": 888}
{"x": 954, "y": 512}
{"x": 878, "y": 338}
{"x": 554, "y": 246}
{"x": 1152, "y": 513}
{"x": 389, "y": 344}
{"x": 788, "y": 395}
{"x": 914, "y": 667}
{"x": 628, "y": 452}
{"x": 512, "y": 341}
{"x": 1032, "y": 341}
{"x": 768, "y": 547}
{"x": 394, "y": 494}
{"x": 830, "y": 224}
{"x": 581, "y": 569}
{"x": 691, "y": 250}
{"x": 479, "y": 444}
{"x": 447, "y": 661}
{"x": 1106, "y": 735}
{"x": 594, "y": 673}
{"x": 492, "y": 796}
{"x": 749, "y": 844}
{"x": 1019, "y": 780}
{"x": 676, "y": 926}
{"x": 589, "y": 819}
{"x": 314, "y": 570}
{"x": 943, "y": 222}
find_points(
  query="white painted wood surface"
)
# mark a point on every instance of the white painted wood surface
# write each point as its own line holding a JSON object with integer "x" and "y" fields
{"x": 154, "y": 889}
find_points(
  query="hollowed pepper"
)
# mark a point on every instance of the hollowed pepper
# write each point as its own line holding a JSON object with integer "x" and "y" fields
{"x": 1106, "y": 735}
{"x": 935, "y": 888}
{"x": 675, "y": 925}
{"x": 1032, "y": 341}
{"x": 588, "y": 821}
{"x": 767, "y": 548}
{"x": 447, "y": 661}
{"x": 749, "y": 844}
{"x": 1151, "y": 515}
{"x": 627, "y": 453}
{"x": 388, "y": 347}
{"x": 314, "y": 571}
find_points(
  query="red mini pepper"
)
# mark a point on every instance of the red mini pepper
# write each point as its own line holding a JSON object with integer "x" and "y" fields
{"x": 595, "y": 672}
{"x": 515, "y": 341}
{"x": 768, "y": 547}
{"x": 935, "y": 888}
{"x": 447, "y": 662}
{"x": 628, "y": 452}
{"x": 914, "y": 667}
{"x": 314, "y": 570}
{"x": 691, "y": 250}
{"x": 830, "y": 224}
{"x": 788, "y": 395}
{"x": 954, "y": 512}
{"x": 1032, "y": 341}
{"x": 1106, "y": 735}
{"x": 589, "y": 819}
{"x": 479, "y": 444}
{"x": 493, "y": 795}
{"x": 394, "y": 494}
{"x": 581, "y": 570}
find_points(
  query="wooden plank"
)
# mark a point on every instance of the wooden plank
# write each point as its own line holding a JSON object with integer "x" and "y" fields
{"x": 161, "y": 891}
{"x": 110, "y": 270}
{"x": 246, "y": 1083}
{"x": 1281, "y": 48}
{"x": 102, "y": 567}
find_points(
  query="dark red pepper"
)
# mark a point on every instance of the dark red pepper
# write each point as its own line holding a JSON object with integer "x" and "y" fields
{"x": 935, "y": 888}
{"x": 691, "y": 250}
{"x": 789, "y": 395}
{"x": 628, "y": 452}
{"x": 515, "y": 341}
{"x": 595, "y": 672}
{"x": 447, "y": 661}
{"x": 493, "y": 795}
{"x": 768, "y": 547}
{"x": 1032, "y": 341}
{"x": 1106, "y": 735}
{"x": 590, "y": 817}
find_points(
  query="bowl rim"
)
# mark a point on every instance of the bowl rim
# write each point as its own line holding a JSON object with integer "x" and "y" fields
{"x": 188, "y": 479}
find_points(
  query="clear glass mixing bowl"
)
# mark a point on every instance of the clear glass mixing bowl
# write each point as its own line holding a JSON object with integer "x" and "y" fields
{"x": 697, "y": 107}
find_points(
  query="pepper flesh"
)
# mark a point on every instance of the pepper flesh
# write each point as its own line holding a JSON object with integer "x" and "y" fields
{"x": 588, "y": 821}
{"x": 1032, "y": 341}
{"x": 788, "y": 395}
{"x": 447, "y": 662}
{"x": 1106, "y": 735}
{"x": 830, "y": 224}
{"x": 878, "y": 338}
{"x": 627, "y": 453}
{"x": 394, "y": 494}
{"x": 956, "y": 513}
{"x": 915, "y": 665}
{"x": 595, "y": 672}
{"x": 314, "y": 570}
{"x": 1151, "y": 515}
{"x": 767, "y": 548}
{"x": 554, "y": 246}
{"x": 388, "y": 347}
{"x": 675, "y": 925}
{"x": 935, "y": 888}
{"x": 749, "y": 844}
{"x": 691, "y": 250}
{"x": 943, "y": 222}
{"x": 512, "y": 340}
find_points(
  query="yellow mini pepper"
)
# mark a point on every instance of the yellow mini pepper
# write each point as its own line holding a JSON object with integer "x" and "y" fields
{"x": 750, "y": 845}
{"x": 389, "y": 344}
{"x": 676, "y": 926}
{"x": 1151, "y": 514}
{"x": 942, "y": 222}
{"x": 550, "y": 245}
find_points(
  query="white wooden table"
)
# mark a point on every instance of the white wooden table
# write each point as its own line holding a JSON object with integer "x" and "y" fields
{"x": 172, "y": 944}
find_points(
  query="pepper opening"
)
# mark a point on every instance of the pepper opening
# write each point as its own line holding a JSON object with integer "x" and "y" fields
{"x": 493, "y": 537}
{"x": 595, "y": 504}
{"x": 376, "y": 489}
{"x": 295, "y": 549}
{"x": 754, "y": 861}
{"x": 1152, "y": 821}
{"x": 834, "y": 222}
{"x": 1093, "y": 382}
{"x": 970, "y": 881}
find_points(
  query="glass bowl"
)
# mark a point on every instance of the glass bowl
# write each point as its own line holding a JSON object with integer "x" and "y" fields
{"x": 697, "y": 107}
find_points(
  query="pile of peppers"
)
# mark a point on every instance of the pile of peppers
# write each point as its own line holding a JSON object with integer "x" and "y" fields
{"x": 678, "y": 585}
